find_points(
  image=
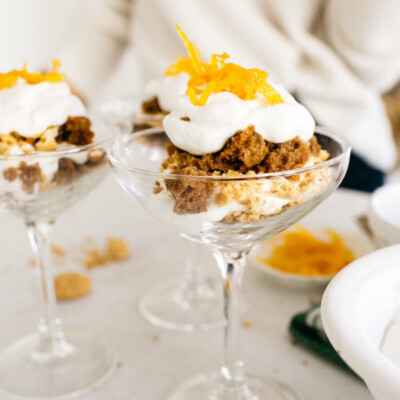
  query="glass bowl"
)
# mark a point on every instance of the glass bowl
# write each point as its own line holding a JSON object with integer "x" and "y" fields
{"x": 230, "y": 214}
{"x": 192, "y": 301}
{"x": 38, "y": 187}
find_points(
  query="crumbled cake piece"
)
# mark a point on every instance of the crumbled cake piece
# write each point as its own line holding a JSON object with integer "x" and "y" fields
{"x": 28, "y": 174}
{"x": 151, "y": 106}
{"x": 190, "y": 195}
{"x": 57, "y": 250}
{"x": 47, "y": 141}
{"x": 75, "y": 131}
{"x": 118, "y": 249}
{"x": 157, "y": 188}
{"x": 7, "y": 141}
{"x": 67, "y": 171}
{"x": 247, "y": 323}
{"x": 71, "y": 285}
{"x": 60, "y": 255}
{"x": 11, "y": 174}
{"x": 96, "y": 257}
{"x": 247, "y": 146}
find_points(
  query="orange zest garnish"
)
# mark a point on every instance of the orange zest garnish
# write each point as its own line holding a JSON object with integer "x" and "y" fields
{"x": 218, "y": 76}
{"x": 193, "y": 53}
{"x": 300, "y": 252}
{"x": 10, "y": 79}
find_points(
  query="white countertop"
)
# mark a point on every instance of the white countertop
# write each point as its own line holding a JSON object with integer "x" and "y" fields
{"x": 155, "y": 361}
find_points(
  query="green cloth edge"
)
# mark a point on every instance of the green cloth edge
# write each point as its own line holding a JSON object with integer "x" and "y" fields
{"x": 311, "y": 339}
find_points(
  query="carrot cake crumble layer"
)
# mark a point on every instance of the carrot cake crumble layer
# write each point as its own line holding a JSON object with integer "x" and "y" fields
{"x": 245, "y": 151}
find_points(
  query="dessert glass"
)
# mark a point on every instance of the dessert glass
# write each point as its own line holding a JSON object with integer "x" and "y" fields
{"x": 52, "y": 363}
{"x": 136, "y": 162}
{"x": 191, "y": 302}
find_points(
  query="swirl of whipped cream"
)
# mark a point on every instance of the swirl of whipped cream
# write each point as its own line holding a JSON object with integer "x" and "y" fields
{"x": 30, "y": 109}
{"x": 211, "y": 126}
{"x": 168, "y": 89}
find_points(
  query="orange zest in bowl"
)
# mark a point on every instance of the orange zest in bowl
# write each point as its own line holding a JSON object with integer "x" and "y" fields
{"x": 9, "y": 79}
{"x": 302, "y": 253}
{"x": 219, "y": 76}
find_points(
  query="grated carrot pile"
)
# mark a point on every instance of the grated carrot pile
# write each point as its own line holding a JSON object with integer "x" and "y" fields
{"x": 219, "y": 76}
{"x": 304, "y": 254}
{"x": 9, "y": 79}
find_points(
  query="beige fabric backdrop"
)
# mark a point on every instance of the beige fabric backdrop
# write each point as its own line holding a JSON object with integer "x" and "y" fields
{"x": 31, "y": 30}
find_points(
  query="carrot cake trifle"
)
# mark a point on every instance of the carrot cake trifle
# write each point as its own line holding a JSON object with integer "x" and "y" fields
{"x": 233, "y": 122}
{"x": 38, "y": 113}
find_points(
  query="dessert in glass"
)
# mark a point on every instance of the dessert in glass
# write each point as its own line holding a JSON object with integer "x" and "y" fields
{"x": 51, "y": 155}
{"x": 241, "y": 161}
{"x": 190, "y": 302}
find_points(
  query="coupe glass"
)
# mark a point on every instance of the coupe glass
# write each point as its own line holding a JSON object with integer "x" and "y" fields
{"x": 136, "y": 162}
{"x": 38, "y": 187}
{"x": 191, "y": 302}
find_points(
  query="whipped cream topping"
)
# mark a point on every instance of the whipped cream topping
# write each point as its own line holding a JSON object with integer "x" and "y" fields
{"x": 30, "y": 109}
{"x": 211, "y": 126}
{"x": 168, "y": 89}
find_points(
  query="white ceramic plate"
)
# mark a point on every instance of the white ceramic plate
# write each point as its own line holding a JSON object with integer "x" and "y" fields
{"x": 360, "y": 246}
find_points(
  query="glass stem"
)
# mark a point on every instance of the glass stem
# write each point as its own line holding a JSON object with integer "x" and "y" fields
{"x": 233, "y": 385}
{"x": 195, "y": 285}
{"x": 52, "y": 342}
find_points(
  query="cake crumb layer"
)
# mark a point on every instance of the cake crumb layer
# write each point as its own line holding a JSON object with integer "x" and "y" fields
{"x": 245, "y": 151}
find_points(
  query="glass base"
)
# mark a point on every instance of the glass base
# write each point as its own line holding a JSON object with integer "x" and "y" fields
{"x": 172, "y": 306}
{"x": 205, "y": 387}
{"x": 25, "y": 373}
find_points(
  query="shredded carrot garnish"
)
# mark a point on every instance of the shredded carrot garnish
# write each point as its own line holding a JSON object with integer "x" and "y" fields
{"x": 218, "y": 76}
{"x": 193, "y": 53}
{"x": 300, "y": 252}
{"x": 10, "y": 79}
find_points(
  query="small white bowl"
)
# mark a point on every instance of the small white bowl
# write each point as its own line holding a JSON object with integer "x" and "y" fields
{"x": 384, "y": 214}
{"x": 305, "y": 282}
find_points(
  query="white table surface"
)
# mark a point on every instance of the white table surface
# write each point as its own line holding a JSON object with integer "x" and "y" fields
{"x": 155, "y": 361}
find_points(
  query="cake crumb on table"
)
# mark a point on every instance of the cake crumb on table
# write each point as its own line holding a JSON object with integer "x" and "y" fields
{"x": 96, "y": 257}
{"x": 247, "y": 323}
{"x": 71, "y": 285}
{"x": 57, "y": 250}
{"x": 116, "y": 250}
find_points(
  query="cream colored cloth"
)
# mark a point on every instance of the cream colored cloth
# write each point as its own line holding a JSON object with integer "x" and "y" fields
{"x": 336, "y": 56}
